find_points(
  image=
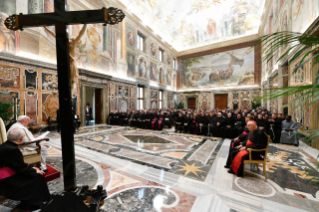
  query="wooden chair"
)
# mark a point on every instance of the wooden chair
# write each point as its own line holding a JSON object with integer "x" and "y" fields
{"x": 30, "y": 157}
{"x": 258, "y": 161}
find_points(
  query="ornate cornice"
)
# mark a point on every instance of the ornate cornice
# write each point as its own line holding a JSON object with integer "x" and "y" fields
{"x": 222, "y": 90}
{"x": 26, "y": 61}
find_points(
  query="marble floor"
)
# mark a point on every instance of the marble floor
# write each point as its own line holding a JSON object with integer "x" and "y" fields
{"x": 146, "y": 170}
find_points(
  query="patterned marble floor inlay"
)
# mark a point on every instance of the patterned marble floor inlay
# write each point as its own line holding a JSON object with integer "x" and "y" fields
{"x": 203, "y": 153}
{"x": 186, "y": 155}
{"x": 292, "y": 170}
{"x": 145, "y": 139}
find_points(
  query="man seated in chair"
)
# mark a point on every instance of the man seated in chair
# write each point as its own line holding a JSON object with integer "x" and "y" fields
{"x": 23, "y": 122}
{"x": 289, "y": 132}
{"x": 257, "y": 139}
{"x": 18, "y": 180}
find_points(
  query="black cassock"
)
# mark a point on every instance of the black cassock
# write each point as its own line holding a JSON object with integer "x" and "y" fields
{"x": 228, "y": 130}
{"x": 26, "y": 185}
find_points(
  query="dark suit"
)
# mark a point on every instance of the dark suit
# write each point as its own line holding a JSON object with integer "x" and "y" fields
{"x": 26, "y": 185}
{"x": 88, "y": 115}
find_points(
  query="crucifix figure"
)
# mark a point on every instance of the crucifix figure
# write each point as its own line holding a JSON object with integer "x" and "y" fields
{"x": 73, "y": 67}
{"x": 61, "y": 18}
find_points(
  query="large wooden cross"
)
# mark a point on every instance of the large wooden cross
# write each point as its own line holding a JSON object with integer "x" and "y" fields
{"x": 61, "y": 18}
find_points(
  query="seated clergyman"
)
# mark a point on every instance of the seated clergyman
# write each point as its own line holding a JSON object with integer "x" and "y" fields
{"x": 23, "y": 122}
{"x": 289, "y": 132}
{"x": 18, "y": 180}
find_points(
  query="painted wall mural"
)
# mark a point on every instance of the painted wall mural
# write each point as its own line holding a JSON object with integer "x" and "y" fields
{"x": 153, "y": 72}
{"x": 142, "y": 68}
{"x": 9, "y": 77}
{"x": 9, "y": 40}
{"x": 222, "y": 69}
{"x": 130, "y": 64}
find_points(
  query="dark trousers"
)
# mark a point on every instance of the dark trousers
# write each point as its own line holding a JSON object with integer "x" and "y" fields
{"x": 218, "y": 131}
{"x": 168, "y": 123}
{"x": 186, "y": 128}
{"x": 179, "y": 127}
{"x": 202, "y": 130}
{"x": 232, "y": 149}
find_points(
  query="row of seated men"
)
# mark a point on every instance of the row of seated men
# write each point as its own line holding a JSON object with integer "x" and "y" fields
{"x": 151, "y": 119}
{"x": 18, "y": 180}
{"x": 219, "y": 123}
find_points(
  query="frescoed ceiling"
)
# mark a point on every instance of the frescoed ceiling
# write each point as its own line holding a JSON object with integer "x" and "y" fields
{"x": 187, "y": 24}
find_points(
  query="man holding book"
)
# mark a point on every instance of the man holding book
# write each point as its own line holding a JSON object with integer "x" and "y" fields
{"x": 23, "y": 122}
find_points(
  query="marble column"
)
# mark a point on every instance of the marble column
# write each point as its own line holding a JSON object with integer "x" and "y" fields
{"x": 229, "y": 103}
{"x": 35, "y": 6}
{"x": 8, "y": 6}
{"x": 123, "y": 39}
{"x": 268, "y": 87}
{"x": 213, "y": 101}
{"x": 106, "y": 38}
{"x": 280, "y": 85}
{"x": 147, "y": 99}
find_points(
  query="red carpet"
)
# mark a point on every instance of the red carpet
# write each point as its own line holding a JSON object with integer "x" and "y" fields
{"x": 52, "y": 174}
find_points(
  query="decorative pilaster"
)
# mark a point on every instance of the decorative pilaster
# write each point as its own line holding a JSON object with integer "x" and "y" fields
{"x": 123, "y": 36}
{"x": 35, "y": 6}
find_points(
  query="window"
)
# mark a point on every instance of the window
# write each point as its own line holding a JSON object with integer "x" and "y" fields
{"x": 175, "y": 65}
{"x": 160, "y": 55}
{"x": 140, "y": 41}
{"x": 140, "y": 98}
{"x": 160, "y": 99}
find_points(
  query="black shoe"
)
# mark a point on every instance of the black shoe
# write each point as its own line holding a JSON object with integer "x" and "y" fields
{"x": 226, "y": 167}
{"x": 230, "y": 171}
{"x": 45, "y": 170}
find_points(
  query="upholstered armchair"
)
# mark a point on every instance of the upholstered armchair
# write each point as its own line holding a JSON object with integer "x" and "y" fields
{"x": 30, "y": 157}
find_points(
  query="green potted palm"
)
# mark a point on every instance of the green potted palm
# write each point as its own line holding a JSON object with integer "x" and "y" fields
{"x": 5, "y": 112}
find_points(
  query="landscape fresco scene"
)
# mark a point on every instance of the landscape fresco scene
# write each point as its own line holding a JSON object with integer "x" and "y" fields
{"x": 229, "y": 68}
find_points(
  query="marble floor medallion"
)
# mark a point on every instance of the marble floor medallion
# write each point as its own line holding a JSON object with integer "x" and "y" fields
{"x": 255, "y": 186}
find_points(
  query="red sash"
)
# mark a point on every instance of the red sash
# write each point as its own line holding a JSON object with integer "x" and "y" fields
{"x": 6, "y": 172}
{"x": 196, "y": 126}
{"x": 238, "y": 158}
{"x": 153, "y": 122}
{"x": 160, "y": 123}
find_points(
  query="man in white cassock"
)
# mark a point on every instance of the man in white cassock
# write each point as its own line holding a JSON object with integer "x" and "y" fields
{"x": 23, "y": 122}
{"x": 289, "y": 132}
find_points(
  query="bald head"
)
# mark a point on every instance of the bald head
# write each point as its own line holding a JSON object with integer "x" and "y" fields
{"x": 16, "y": 135}
{"x": 251, "y": 125}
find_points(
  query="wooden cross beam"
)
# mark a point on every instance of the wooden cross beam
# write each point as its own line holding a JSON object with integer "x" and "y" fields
{"x": 61, "y": 19}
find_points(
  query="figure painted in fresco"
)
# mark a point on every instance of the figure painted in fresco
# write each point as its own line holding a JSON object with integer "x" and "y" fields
{"x": 81, "y": 54}
{"x": 153, "y": 72}
{"x": 162, "y": 77}
{"x": 142, "y": 68}
{"x": 153, "y": 49}
{"x": 169, "y": 78}
{"x": 8, "y": 38}
{"x": 211, "y": 26}
{"x": 131, "y": 65}
{"x": 130, "y": 38}
{"x": 72, "y": 46}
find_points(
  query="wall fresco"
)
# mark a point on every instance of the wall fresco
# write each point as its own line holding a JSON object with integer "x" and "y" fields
{"x": 222, "y": 69}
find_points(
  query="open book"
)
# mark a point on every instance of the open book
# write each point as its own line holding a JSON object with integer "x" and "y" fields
{"x": 41, "y": 136}
{"x": 35, "y": 139}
